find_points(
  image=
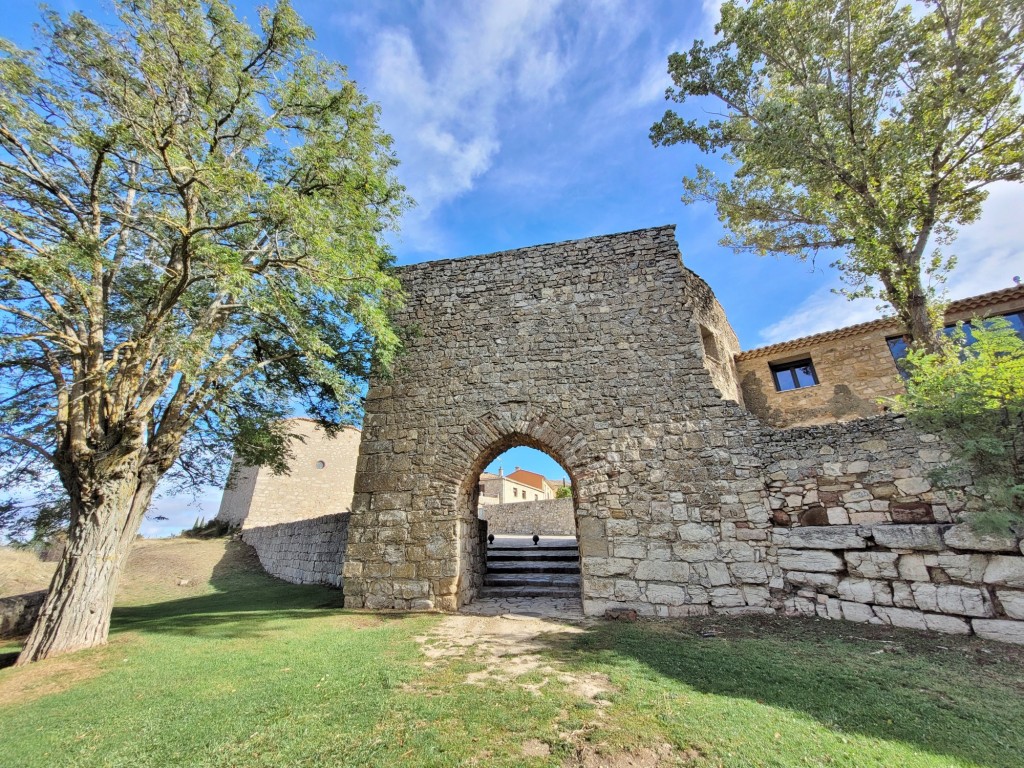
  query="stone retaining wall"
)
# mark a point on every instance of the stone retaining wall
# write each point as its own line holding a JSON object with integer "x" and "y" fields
{"x": 18, "y": 613}
{"x": 937, "y": 577}
{"x": 549, "y": 517}
{"x": 302, "y": 552}
{"x": 864, "y": 472}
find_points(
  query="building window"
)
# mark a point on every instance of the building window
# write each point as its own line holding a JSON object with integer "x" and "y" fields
{"x": 515, "y": 492}
{"x": 536, "y": 497}
{"x": 898, "y": 344}
{"x": 320, "y": 465}
{"x": 794, "y": 375}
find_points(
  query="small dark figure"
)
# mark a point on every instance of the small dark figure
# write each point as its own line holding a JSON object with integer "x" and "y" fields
{"x": 490, "y": 538}
{"x": 536, "y": 538}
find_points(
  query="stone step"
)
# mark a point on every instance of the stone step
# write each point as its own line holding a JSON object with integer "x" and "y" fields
{"x": 508, "y": 592}
{"x": 533, "y": 554}
{"x": 532, "y": 579}
{"x": 534, "y": 566}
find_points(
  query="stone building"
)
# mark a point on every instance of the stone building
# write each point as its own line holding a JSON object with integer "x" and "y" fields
{"x": 685, "y": 502}
{"x": 842, "y": 374}
{"x": 516, "y": 487}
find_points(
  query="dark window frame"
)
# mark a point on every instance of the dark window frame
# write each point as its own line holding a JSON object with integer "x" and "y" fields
{"x": 898, "y": 344}
{"x": 789, "y": 368}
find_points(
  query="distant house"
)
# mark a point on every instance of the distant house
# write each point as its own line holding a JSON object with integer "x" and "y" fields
{"x": 518, "y": 486}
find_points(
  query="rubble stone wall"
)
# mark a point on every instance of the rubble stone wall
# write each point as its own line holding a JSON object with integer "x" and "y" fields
{"x": 547, "y": 517}
{"x": 307, "y": 551}
{"x": 862, "y": 472}
{"x": 590, "y": 351}
{"x": 937, "y": 577}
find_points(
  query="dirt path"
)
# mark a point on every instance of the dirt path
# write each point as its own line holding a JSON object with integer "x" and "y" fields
{"x": 511, "y": 647}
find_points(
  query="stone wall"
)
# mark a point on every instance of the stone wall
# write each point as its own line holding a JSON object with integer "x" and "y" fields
{"x": 304, "y": 551}
{"x": 19, "y": 612}
{"x": 319, "y": 481}
{"x": 548, "y": 517}
{"x": 938, "y": 577}
{"x": 864, "y": 472}
{"x": 592, "y": 352}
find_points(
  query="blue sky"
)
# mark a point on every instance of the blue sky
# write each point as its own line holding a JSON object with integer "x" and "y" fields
{"x": 521, "y": 122}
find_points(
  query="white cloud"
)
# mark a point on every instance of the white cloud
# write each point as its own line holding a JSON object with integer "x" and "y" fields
{"x": 712, "y": 10}
{"x": 989, "y": 253}
{"x": 441, "y": 93}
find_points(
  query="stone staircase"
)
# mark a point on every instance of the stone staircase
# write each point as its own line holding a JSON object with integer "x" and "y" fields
{"x": 528, "y": 570}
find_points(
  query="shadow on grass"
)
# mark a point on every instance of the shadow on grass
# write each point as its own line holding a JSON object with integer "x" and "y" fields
{"x": 246, "y": 600}
{"x": 946, "y": 695}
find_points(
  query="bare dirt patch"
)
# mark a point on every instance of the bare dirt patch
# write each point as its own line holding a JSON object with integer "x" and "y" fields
{"x": 24, "y": 684}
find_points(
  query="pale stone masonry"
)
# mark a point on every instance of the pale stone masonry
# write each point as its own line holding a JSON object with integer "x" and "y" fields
{"x": 685, "y": 503}
{"x": 547, "y": 517}
{"x": 298, "y": 522}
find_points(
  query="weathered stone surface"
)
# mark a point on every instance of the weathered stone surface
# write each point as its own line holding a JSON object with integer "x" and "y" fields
{"x": 865, "y": 591}
{"x": 18, "y": 613}
{"x": 1005, "y": 571}
{"x": 1012, "y": 602}
{"x": 912, "y": 568}
{"x": 962, "y": 537}
{"x": 827, "y": 537}
{"x": 660, "y": 570}
{"x": 926, "y": 537}
{"x": 951, "y": 598}
{"x": 969, "y": 568}
{"x": 810, "y": 560}
{"x": 308, "y": 551}
{"x": 872, "y": 565}
{"x": 998, "y": 629}
{"x": 900, "y": 617}
{"x": 820, "y": 582}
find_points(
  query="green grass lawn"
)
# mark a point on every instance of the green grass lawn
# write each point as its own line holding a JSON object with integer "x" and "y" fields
{"x": 262, "y": 673}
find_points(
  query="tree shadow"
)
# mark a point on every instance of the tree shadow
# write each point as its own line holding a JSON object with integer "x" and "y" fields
{"x": 896, "y": 685}
{"x": 245, "y": 602}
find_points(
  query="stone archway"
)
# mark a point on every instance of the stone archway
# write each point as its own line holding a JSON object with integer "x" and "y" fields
{"x": 591, "y": 351}
{"x": 520, "y": 427}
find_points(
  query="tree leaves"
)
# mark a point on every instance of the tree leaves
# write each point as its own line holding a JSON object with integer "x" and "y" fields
{"x": 861, "y": 126}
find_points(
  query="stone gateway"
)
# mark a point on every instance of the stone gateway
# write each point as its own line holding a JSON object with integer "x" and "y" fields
{"x": 613, "y": 358}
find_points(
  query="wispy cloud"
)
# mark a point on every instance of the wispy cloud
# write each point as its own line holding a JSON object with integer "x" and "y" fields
{"x": 989, "y": 253}
{"x": 442, "y": 102}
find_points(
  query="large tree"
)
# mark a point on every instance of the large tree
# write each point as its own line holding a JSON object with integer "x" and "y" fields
{"x": 191, "y": 222}
{"x": 868, "y": 126}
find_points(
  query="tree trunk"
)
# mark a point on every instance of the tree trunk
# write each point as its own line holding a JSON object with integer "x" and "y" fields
{"x": 76, "y": 612}
{"x": 920, "y": 324}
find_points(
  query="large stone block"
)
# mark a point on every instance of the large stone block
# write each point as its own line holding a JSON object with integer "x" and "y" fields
{"x": 1012, "y": 602}
{"x": 1005, "y": 571}
{"x": 661, "y": 570}
{"x": 952, "y": 598}
{"x": 962, "y": 536}
{"x": 827, "y": 583}
{"x": 926, "y": 537}
{"x": 872, "y": 565}
{"x": 819, "y": 537}
{"x": 821, "y": 561}
{"x": 1001, "y": 630}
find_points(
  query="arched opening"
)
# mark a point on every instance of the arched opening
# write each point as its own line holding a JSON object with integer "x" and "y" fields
{"x": 518, "y": 505}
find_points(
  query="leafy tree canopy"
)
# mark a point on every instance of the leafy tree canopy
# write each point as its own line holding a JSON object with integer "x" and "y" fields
{"x": 868, "y": 126}
{"x": 191, "y": 222}
{"x": 973, "y": 395}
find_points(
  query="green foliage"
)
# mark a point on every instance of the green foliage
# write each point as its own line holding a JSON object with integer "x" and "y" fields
{"x": 563, "y": 492}
{"x": 868, "y": 126}
{"x": 214, "y": 529}
{"x": 973, "y": 396}
{"x": 192, "y": 216}
{"x": 289, "y": 678}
